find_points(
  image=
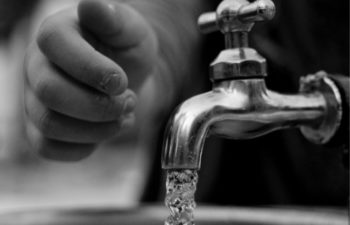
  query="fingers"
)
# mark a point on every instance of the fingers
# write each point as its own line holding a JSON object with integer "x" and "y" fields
{"x": 77, "y": 92}
{"x": 93, "y": 50}
{"x": 60, "y": 93}
{"x": 58, "y": 137}
{"x": 60, "y": 40}
{"x": 57, "y": 150}
{"x": 126, "y": 36}
{"x": 57, "y": 126}
{"x": 68, "y": 119}
{"x": 114, "y": 23}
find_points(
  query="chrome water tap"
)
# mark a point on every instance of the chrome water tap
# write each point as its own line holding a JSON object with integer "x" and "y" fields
{"x": 239, "y": 105}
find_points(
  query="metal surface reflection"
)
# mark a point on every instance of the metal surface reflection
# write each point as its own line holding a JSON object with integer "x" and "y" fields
{"x": 240, "y": 106}
{"x": 244, "y": 109}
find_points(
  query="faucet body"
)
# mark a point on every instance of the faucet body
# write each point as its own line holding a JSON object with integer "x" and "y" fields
{"x": 242, "y": 109}
{"x": 240, "y": 106}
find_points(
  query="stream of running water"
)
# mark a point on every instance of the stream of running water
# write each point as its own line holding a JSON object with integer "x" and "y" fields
{"x": 180, "y": 190}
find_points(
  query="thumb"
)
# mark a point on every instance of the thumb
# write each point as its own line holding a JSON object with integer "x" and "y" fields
{"x": 113, "y": 23}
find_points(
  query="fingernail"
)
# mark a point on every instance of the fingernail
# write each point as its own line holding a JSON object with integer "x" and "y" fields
{"x": 129, "y": 105}
{"x": 111, "y": 84}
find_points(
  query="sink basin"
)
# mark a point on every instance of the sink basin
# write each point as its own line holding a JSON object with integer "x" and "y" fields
{"x": 153, "y": 215}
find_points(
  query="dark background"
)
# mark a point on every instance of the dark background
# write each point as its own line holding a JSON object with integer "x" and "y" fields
{"x": 281, "y": 167}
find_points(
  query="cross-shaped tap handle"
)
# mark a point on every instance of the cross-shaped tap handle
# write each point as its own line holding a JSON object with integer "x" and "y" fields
{"x": 236, "y": 15}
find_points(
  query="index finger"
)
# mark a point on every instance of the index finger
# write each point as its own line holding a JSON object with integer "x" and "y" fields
{"x": 64, "y": 43}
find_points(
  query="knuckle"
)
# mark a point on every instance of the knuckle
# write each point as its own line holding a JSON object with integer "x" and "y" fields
{"x": 50, "y": 94}
{"x": 45, "y": 123}
{"x": 43, "y": 90}
{"x": 47, "y": 32}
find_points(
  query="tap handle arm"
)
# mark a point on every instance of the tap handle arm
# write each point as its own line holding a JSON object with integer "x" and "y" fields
{"x": 257, "y": 11}
{"x": 207, "y": 22}
{"x": 236, "y": 15}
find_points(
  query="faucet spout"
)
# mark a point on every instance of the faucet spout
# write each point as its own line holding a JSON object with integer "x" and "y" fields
{"x": 235, "y": 109}
{"x": 240, "y": 106}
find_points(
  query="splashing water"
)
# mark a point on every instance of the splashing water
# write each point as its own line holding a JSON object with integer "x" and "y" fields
{"x": 180, "y": 189}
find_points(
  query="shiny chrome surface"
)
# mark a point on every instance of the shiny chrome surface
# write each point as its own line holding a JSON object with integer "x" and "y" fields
{"x": 238, "y": 63}
{"x": 240, "y": 106}
{"x": 332, "y": 117}
{"x": 236, "y": 109}
{"x": 236, "y": 16}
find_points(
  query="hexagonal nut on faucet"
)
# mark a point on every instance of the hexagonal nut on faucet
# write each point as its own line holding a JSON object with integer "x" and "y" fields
{"x": 238, "y": 63}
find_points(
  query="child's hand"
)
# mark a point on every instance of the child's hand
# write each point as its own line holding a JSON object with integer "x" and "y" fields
{"x": 83, "y": 74}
